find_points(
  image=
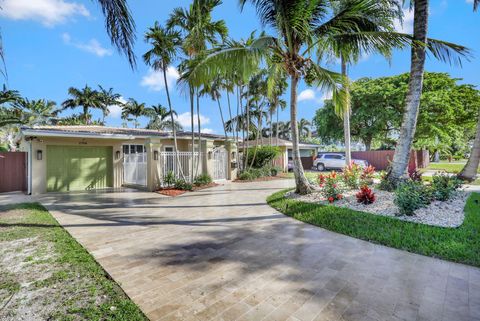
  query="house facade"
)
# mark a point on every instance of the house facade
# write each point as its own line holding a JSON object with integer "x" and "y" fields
{"x": 79, "y": 158}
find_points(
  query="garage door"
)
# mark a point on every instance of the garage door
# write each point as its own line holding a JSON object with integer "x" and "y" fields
{"x": 78, "y": 168}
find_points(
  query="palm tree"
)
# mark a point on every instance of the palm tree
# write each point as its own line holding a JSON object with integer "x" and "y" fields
{"x": 135, "y": 109}
{"x": 159, "y": 119}
{"x": 86, "y": 98}
{"x": 304, "y": 127}
{"x": 213, "y": 89}
{"x": 107, "y": 98}
{"x": 165, "y": 45}
{"x": 198, "y": 30}
{"x": 415, "y": 85}
{"x": 37, "y": 112}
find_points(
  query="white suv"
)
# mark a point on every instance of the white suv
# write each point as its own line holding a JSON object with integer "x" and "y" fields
{"x": 325, "y": 161}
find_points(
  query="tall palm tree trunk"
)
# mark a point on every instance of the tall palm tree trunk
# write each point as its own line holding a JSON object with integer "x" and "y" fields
{"x": 223, "y": 120}
{"x": 239, "y": 123}
{"x": 469, "y": 172}
{"x": 301, "y": 182}
{"x": 412, "y": 101}
{"x": 85, "y": 115}
{"x": 346, "y": 116}
{"x": 199, "y": 133}
{"x": 192, "y": 160}
{"x": 276, "y": 128}
{"x": 174, "y": 130}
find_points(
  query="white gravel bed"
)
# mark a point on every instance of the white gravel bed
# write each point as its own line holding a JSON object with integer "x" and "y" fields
{"x": 444, "y": 214}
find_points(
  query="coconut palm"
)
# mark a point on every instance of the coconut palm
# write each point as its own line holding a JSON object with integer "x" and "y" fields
{"x": 213, "y": 90}
{"x": 135, "y": 109}
{"x": 165, "y": 46}
{"x": 469, "y": 171}
{"x": 415, "y": 85}
{"x": 107, "y": 98}
{"x": 87, "y": 98}
{"x": 198, "y": 31}
{"x": 159, "y": 119}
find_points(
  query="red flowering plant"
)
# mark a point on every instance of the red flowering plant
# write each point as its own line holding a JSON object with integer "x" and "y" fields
{"x": 367, "y": 176}
{"x": 351, "y": 175}
{"x": 365, "y": 195}
{"x": 330, "y": 187}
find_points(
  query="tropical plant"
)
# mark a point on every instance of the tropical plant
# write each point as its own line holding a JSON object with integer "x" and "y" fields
{"x": 330, "y": 187}
{"x": 410, "y": 196}
{"x": 161, "y": 119}
{"x": 198, "y": 29}
{"x": 264, "y": 155}
{"x": 365, "y": 195}
{"x": 304, "y": 128}
{"x": 107, "y": 98}
{"x": 441, "y": 50}
{"x": 87, "y": 98}
{"x": 444, "y": 186}
{"x": 351, "y": 175}
{"x": 202, "y": 179}
{"x": 37, "y": 112}
{"x": 135, "y": 109}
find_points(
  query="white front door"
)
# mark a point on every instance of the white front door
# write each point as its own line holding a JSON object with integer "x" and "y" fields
{"x": 135, "y": 165}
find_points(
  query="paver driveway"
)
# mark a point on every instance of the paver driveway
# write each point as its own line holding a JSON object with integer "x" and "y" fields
{"x": 223, "y": 254}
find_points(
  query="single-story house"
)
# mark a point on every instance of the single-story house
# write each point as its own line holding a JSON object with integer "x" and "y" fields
{"x": 77, "y": 158}
{"x": 307, "y": 151}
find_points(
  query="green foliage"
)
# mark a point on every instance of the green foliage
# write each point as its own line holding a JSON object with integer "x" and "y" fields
{"x": 444, "y": 186}
{"x": 169, "y": 179}
{"x": 254, "y": 173}
{"x": 351, "y": 175}
{"x": 447, "y": 112}
{"x": 330, "y": 186}
{"x": 183, "y": 185}
{"x": 263, "y": 156}
{"x": 386, "y": 184}
{"x": 202, "y": 179}
{"x": 460, "y": 244}
{"x": 410, "y": 196}
{"x": 365, "y": 195}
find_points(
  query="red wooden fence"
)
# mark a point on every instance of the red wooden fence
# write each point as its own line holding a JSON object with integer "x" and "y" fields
{"x": 380, "y": 159}
{"x": 13, "y": 171}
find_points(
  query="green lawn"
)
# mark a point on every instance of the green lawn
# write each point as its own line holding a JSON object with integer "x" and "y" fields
{"x": 460, "y": 244}
{"x": 60, "y": 280}
{"x": 454, "y": 167}
{"x": 309, "y": 175}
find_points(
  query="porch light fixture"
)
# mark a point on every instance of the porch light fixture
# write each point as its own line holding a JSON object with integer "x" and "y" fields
{"x": 233, "y": 155}
{"x": 39, "y": 154}
{"x": 117, "y": 154}
{"x": 210, "y": 153}
{"x": 155, "y": 155}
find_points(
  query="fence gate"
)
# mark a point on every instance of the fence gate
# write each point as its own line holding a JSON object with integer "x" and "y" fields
{"x": 169, "y": 163}
{"x": 135, "y": 165}
{"x": 220, "y": 159}
{"x": 13, "y": 172}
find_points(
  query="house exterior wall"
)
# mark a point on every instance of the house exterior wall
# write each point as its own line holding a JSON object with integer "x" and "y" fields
{"x": 38, "y": 168}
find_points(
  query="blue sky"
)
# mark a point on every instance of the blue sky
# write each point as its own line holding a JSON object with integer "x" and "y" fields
{"x": 51, "y": 45}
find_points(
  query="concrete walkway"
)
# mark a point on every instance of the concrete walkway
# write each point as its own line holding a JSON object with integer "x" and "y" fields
{"x": 223, "y": 254}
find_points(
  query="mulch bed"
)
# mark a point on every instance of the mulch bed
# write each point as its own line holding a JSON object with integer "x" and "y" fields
{"x": 173, "y": 192}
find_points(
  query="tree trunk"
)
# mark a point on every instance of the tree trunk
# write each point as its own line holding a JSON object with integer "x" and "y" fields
{"x": 85, "y": 114}
{"x": 199, "y": 133}
{"x": 469, "y": 172}
{"x": 223, "y": 120}
{"x": 276, "y": 127}
{"x": 301, "y": 182}
{"x": 192, "y": 161}
{"x": 346, "y": 116}
{"x": 368, "y": 143}
{"x": 412, "y": 101}
{"x": 174, "y": 130}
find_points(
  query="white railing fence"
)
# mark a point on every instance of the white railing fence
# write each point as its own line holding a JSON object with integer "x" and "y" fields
{"x": 169, "y": 163}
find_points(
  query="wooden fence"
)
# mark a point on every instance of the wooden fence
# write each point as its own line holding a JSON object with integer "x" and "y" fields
{"x": 13, "y": 171}
{"x": 380, "y": 159}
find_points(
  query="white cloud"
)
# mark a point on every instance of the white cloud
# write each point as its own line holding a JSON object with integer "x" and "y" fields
{"x": 469, "y": 1}
{"x": 48, "y": 12}
{"x": 184, "y": 120}
{"x": 154, "y": 78}
{"x": 207, "y": 131}
{"x": 115, "y": 111}
{"x": 407, "y": 25}
{"x": 92, "y": 46}
{"x": 307, "y": 94}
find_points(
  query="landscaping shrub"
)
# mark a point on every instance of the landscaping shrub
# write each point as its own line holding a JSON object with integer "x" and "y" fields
{"x": 415, "y": 175}
{"x": 411, "y": 195}
{"x": 330, "y": 187}
{"x": 183, "y": 185}
{"x": 202, "y": 179}
{"x": 169, "y": 179}
{"x": 385, "y": 184}
{"x": 246, "y": 176}
{"x": 368, "y": 173}
{"x": 263, "y": 156}
{"x": 254, "y": 173}
{"x": 351, "y": 175}
{"x": 365, "y": 195}
{"x": 444, "y": 186}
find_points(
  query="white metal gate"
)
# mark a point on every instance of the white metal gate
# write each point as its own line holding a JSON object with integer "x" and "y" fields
{"x": 135, "y": 165}
{"x": 169, "y": 163}
{"x": 220, "y": 158}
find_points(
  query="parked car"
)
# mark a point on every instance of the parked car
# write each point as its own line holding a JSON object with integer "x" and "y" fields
{"x": 325, "y": 161}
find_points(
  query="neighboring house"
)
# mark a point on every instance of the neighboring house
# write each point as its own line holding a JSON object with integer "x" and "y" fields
{"x": 307, "y": 151}
{"x": 77, "y": 158}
